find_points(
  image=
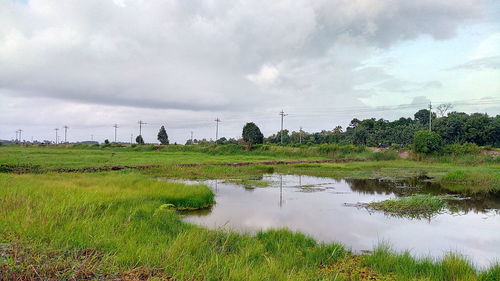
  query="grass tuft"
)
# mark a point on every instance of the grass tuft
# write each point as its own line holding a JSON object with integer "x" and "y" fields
{"x": 422, "y": 205}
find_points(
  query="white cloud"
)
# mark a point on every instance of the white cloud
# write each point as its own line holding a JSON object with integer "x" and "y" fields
{"x": 267, "y": 75}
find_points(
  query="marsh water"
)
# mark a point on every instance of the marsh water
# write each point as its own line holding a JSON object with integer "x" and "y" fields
{"x": 328, "y": 210}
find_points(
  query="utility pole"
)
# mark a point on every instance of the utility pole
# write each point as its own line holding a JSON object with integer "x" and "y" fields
{"x": 430, "y": 116}
{"x": 282, "y": 113}
{"x": 300, "y": 136}
{"x": 20, "y": 131}
{"x": 217, "y": 129}
{"x": 56, "y": 129}
{"x": 116, "y": 127}
{"x": 65, "y": 133}
{"x": 192, "y": 137}
{"x": 16, "y": 135}
{"x": 131, "y": 137}
{"x": 140, "y": 126}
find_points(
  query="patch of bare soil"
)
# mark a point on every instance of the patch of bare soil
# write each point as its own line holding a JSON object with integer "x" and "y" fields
{"x": 103, "y": 168}
{"x": 492, "y": 153}
{"x": 352, "y": 268}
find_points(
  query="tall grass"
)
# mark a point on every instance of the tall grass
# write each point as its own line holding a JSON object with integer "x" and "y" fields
{"x": 124, "y": 216}
{"x": 451, "y": 267}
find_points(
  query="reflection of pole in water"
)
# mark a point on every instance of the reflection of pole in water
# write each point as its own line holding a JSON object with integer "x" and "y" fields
{"x": 281, "y": 191}
{"x": 216, "y": 185}
{"x": 300, "y": 181}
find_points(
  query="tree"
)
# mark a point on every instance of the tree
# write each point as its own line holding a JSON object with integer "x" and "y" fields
{"x": 360, "y": 136}
{"x": 427, "y": 142}
{"x": 422, "y": 116}
{"x": 162, "y": 136}
{"x": 221, "y": 141}
{"x": 252, "y": 134}
{"x": 443, "y": 108}
{"x": 139, "y": 140}
{"x": 106, "y": 141}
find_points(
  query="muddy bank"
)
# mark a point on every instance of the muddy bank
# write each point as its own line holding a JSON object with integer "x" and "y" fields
{"x": 237, "y": 164}
{"x": 23, "y": 169}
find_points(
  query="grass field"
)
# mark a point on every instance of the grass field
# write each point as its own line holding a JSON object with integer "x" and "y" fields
{"x": 124, "y": 224}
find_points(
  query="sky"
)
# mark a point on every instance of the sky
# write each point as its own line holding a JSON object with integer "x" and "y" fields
{"x": 182, "y": 64}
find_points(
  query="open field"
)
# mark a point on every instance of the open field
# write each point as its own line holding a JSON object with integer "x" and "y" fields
{"x": 124, "y": 224}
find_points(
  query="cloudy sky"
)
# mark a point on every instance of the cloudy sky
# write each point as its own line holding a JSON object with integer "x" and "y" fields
{"x": 90, "y": 64}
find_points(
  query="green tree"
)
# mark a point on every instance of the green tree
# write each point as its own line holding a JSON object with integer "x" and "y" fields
{"x": 162, "y": 136}
{"x": 422, "y": 116}
{"x": 427, "y": 142}
{"x": 252, "y": 134}
{"x": 139, "y": 139}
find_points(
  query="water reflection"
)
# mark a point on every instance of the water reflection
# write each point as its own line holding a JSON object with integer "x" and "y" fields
{"x": 316, "y": 206}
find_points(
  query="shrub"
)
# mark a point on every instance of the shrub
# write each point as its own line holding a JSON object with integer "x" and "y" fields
{"x": 427, "y": 142}
{"x": 462, "y": 149}
{"x": 139, "y": 139}
{"x": 385, "y": 155}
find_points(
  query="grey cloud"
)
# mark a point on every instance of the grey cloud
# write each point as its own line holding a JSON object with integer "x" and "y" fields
{"x": 196, "y": 54}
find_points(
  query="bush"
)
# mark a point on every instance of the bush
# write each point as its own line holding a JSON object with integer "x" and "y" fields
{"x": 385, "y": 155}
{"x": 333, "y": 149}
{"x": 427, "y": 142}
{"x": 462, "y": 149}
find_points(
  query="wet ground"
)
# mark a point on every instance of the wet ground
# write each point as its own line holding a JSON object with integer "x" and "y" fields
{"x": 326, "y": 209}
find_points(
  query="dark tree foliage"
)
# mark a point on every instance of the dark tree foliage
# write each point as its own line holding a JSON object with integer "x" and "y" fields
{"x": 422, "y": 116}
{"x": 162, "y": 136}
{"x": 455, "y": 128}
{"x": 252, "y": 134}
{"x": 427, "y": 142}
{"x": 139, "y": 139}
{"x": 106, "y": 141}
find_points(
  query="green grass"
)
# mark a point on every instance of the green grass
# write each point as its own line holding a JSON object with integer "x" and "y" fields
{"x": 119, "y": 218}
{"x": 250, "y": 183}
{"x": 121, "y": 215}
{"x": 113, "y": 223}
{"x": 422, "y": 205}
{"x": 460, "y": 180}
{"x": 405, "y": 267}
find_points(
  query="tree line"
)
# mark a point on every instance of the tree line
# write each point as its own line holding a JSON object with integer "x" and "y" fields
{"x": 452, "y": 128}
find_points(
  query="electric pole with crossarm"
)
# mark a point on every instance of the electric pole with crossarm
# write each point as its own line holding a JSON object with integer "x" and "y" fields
{"x": 217, "y": 129}
{"x": 116, "y": 127}
{"x": 282, "y": 113}
{"x": 65, "y": 133}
